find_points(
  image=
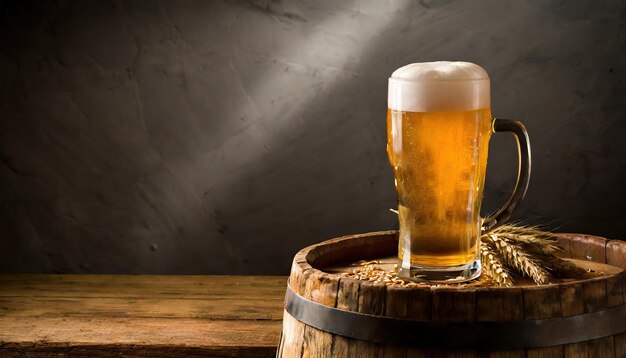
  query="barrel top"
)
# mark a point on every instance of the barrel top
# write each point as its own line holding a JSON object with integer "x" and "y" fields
{"x": 333, "y": 257}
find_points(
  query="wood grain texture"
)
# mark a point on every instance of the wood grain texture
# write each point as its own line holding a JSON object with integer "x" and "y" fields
{"x": 347, "y": 299}
{"x": 450, "y": 304}
{"x": 292, "y": 340}
{"x": 616, "y": 253}
{"x": 596, "y": 299}
{"x": 419, "y": 307}
{"x": 572, "y": 304}
{"x": 320, "y": 288}
{"x": 293, "y": 330}
{"x": 586, "y": 247}
{"x": 371, "y": 301}
{"x": 500, "y": 304}
{"x": 93, "y": 315}
{"x": 396, "y": 305}
{"x": 616, "y": 290}
{"x": 543, "y": 302}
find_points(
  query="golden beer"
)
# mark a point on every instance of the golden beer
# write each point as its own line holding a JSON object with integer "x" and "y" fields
{"x": 438, "y": 129}
{"x": 439, "y": 160}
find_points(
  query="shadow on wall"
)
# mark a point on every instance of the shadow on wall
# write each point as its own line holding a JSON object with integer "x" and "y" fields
{"x": 221, "y": 137}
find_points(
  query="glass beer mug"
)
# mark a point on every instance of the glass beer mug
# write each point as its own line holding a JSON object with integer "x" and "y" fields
{"x": 438, "y": 128}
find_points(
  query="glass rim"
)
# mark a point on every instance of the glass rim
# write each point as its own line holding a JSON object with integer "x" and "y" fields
{"x": 439, "y": 80}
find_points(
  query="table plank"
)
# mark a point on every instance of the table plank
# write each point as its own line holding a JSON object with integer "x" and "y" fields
{"x": 97, "y": 315}
{"x": 188, "y": 286}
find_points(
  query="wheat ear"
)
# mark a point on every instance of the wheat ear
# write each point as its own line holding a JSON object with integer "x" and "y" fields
{"x": 533, "y": 239}
{"x": 515, "y": 256}
{"x": 493, "y": 266}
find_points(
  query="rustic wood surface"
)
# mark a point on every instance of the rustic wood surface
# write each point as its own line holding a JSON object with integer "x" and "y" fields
{"x": 155, "y": 316}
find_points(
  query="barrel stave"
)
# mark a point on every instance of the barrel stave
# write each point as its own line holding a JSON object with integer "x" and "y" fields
{"x": 500, "y": 304}
{"x": 419, "y": 307}
{"x": 371, "y": 301}
{"x": 616, "y": 253}
{"x": 595, "y": 299}
{"x": 292, "y": 339}
{"x": 454, "y": 305}
{"x": 614, "y": 286}
{"x": 320, "y": 288}
{"x": 543, "y": 302}
{"x": 347, "y": 299}
{"x": 396, "y": 305}
{"x": 587, "y": 247}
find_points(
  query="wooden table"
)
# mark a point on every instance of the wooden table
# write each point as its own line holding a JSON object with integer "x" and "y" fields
{"x": 106, "y": 315}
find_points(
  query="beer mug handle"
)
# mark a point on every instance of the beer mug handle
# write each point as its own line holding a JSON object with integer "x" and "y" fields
{"x": 523, "y": 172}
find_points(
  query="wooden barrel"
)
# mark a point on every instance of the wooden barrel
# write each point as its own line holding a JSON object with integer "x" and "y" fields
{"x": 327, "y": 315}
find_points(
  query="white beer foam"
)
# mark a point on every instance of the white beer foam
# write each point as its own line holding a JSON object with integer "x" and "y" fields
{"x": 439, "y": 86}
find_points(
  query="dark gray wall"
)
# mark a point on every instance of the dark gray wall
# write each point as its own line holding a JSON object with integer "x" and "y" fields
{"x": 222, "y": 136}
